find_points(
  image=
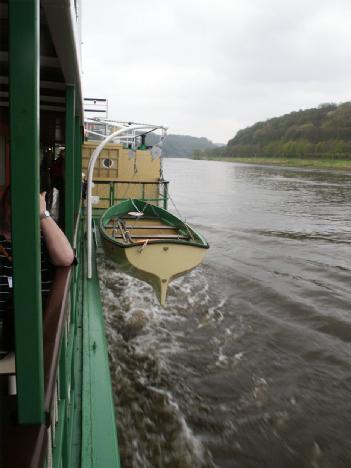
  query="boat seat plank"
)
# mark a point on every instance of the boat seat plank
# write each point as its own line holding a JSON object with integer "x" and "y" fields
{"x": 134, "y": 218}
{"x": 154, "y": 236}
{"x": 143, "y": 226}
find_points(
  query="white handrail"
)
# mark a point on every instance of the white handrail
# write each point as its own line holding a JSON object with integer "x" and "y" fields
{"x": 91, "y": 166}
{"x": 91, "y": 132}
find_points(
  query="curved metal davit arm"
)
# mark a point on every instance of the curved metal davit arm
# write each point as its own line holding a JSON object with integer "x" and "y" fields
{"x": 91, "y": 166}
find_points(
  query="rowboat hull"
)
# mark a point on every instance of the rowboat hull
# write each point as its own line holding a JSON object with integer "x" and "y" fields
{"x": 157, "y": 265}
{"x": 155, "y": 261}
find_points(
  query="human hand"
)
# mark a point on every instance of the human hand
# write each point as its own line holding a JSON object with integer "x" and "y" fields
{"x": 42, "y": 203}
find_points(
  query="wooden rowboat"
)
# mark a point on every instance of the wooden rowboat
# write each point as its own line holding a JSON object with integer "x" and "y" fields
{"x": 150, "y": 243}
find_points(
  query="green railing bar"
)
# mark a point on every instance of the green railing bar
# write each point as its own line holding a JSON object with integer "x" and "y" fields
{"x": 70, "y": 427}
{"x": 144, "y": 199}
{"x": 69, "y": 357}
{"x": 62, "y": 368}
{"x": 57, "y": 452}
{"x": 69, "y": 163}
{"x": 77, "y": 369}
{"x": 132, "y": 182}
{"x": 77, "y": 162}
{"x": 63, "y": 396}
{"x": 70, "y": 179}
{"x": 122, "y": 199}
{"x": 24, "y": 17}
{"x": 112, "y": 189}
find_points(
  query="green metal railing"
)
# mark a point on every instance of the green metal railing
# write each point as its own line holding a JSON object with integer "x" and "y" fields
{"x": 45, "y": 429}
{"x": 24, "y": 154}
{"x": 162, "y": 190}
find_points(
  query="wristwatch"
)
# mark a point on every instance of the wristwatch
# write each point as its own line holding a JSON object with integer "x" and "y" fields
{"x": 45, "y": 214}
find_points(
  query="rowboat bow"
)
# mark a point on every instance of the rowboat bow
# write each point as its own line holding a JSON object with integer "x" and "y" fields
{"x": 150, "y": 243}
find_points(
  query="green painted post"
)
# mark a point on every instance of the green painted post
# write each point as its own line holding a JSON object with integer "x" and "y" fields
{"x": 69, "y": 163}
{"x": 77, "y": 178}
{"x": 62, "y": 368}
{"x": 63, "y": 396}
{"x": 78, "y": 163}
{"x": 24, "y": 20}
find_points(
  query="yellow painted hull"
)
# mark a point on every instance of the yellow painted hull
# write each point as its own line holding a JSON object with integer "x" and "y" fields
{"x": 150, "y": 243}
{"x": 156, "y": 263}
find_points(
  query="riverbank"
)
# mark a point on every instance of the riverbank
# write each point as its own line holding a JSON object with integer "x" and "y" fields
{"x": 334, "y": 164}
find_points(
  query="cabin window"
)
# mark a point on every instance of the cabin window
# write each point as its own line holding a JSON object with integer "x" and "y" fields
{"x": 107, "y": 163}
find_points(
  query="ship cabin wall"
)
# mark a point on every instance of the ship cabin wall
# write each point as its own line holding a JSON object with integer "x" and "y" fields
{"x": 120, "y": 174}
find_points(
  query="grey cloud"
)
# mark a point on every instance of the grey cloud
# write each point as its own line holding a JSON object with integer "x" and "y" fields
{"x": 210, "y": 69}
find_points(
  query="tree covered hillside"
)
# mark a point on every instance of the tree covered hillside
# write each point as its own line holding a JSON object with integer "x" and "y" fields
{"x": 181, "y": 146}
{"x": 323, "y": 132}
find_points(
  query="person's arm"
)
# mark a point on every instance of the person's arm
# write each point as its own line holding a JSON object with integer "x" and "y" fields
{"x": 60, "y": 250}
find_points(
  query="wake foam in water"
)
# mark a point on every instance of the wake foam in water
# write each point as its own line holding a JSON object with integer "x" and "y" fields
{"x": 152, "y": 430}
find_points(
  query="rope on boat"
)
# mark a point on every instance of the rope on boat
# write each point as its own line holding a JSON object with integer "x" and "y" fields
{"x": 121, "y": 228}
{"x": 181, "y": 217}
{"x": 136, "y": 208}
{"x": 144, "y": 245}
{"x": 138, "y": 211}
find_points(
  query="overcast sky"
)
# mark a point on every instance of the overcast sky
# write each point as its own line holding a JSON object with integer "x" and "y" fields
{"x": 209, "y": 68}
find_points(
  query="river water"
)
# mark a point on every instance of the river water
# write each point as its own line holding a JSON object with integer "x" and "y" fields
{"x": 249, "y": 364}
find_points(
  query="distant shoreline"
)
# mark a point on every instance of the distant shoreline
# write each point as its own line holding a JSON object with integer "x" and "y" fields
{"x": 334, "y": 164}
